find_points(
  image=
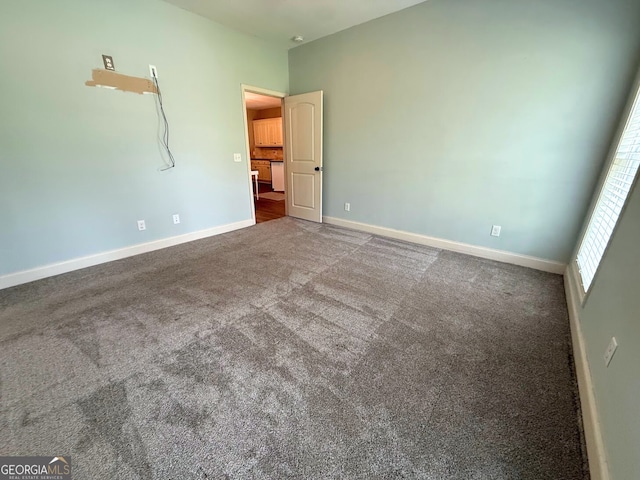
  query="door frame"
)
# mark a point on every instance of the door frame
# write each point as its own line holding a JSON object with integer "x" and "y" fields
{"x": 269, "y": 93}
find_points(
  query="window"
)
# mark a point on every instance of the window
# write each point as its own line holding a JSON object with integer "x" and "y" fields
{"x": 616, "y": 187}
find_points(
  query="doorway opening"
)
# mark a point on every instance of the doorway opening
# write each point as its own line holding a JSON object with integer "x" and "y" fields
{"x": 264, "y": 133}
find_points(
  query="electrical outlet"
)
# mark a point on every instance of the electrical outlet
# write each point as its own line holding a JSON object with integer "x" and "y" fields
{"x": 611, "y": 349}
{"x": 495, "y": 230}
{"x": 142, "y": 225}
{"x": 237, "y": 157}
{"x": 107, "y": 60}
{"x": 153, "y": 71}
{"x": 347, "y": 207}
{"x": 176, "y": 219}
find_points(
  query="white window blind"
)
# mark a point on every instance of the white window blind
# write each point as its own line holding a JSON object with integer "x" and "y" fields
{"x": 613, "y": 195}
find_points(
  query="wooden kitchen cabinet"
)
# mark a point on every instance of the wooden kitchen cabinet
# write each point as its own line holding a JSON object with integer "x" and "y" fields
{"x": 264, "y": 169}
{"x": 268, "y": 132}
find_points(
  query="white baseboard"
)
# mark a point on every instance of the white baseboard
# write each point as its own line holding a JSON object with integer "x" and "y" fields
{"x": 25, "y": 276}
{"x": 476, "y": 251}
{"x": 596, "y": 452}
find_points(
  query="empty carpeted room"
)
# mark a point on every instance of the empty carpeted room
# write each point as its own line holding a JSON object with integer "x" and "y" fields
{"x": 452, "y": 293}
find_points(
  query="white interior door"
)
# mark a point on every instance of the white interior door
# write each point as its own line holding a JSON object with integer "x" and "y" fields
{"x": 303, "y": 155}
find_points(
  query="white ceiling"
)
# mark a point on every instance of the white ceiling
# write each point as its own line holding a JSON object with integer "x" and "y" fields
{"x": 279, "y": 20}
{"x": 260, "y": 102}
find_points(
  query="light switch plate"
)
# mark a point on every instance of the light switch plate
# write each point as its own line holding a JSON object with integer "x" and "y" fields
{"x": 495, "y": 230}
{"x": 237, "y": 157}
{"x": 611, "y": 349}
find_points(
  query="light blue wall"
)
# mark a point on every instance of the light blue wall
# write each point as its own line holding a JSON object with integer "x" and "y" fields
{"x": 612, "y": 309}
{"x": 451, "y": 116}
{"x": 80, "y": 164}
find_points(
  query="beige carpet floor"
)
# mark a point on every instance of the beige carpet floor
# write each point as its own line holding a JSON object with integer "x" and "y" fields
{"x": 293, "y": 350}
